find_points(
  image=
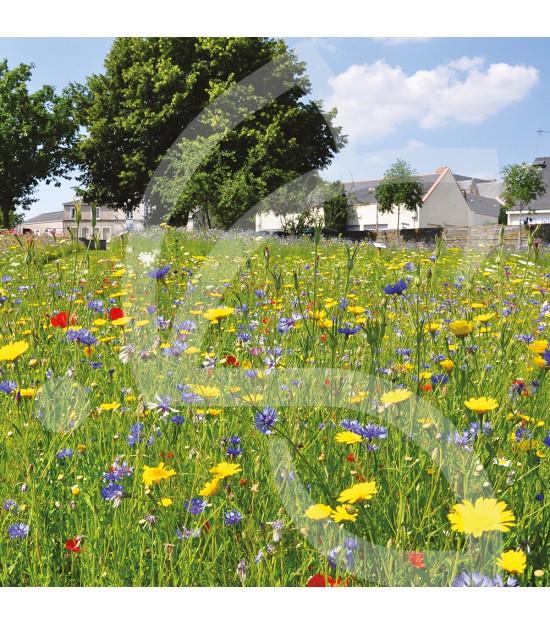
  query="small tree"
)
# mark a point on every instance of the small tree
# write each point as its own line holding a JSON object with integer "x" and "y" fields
{"x": 400, "y": 190}
{"x": 522, "y": 185}
{"x": 336, "y": 209}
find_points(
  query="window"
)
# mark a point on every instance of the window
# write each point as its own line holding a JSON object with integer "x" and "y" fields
{"x": 106, "y": 234}
{"x": 83, "y": 232}
{"x": 98, "y": 212}
{"x": 37, "y": 232}
{"x": 130, "y": 215}
{"x": 73, "y": 212}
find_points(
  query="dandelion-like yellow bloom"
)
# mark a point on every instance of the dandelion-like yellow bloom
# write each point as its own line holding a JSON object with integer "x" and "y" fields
{"x": 485, "y": 515}
{"x": 318, "y": 512}
{"x": 460, "y": 328}
{"x": 348, "y": 438}
{"x": 481, "y": 405}
{"x": 447, "y": 364}
{"x": 154, "y": 475}
{"x": 205, "y": 391}
{"x": 122, "y": 321}
{"x": 513, "y": 561}
{"x": 165, "y": 502}
{"x": 12, "y": 351}
{"x": 215, "y": 314}
{"x": 112, "y": 406}
{"x": 539, "y": 347}
{"x": 225, "y": 469}
{"x": 395, "y": 397}
{"x": 341, "y": 514}
{"x": 358, "y": 492}
{"x": 211, "y": 488}
{"x": 484, "y": 318}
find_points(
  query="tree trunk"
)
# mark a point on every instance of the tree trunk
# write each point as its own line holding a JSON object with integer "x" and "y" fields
{"x": 6, "y": 213}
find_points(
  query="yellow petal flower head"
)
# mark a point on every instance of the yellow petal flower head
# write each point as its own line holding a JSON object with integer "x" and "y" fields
{"x": 211, "y": 488}
{"x": 447, "y": 364}
{"x": 538, "y": 347}
{"x": 154, "y": 475}
{"x": 348, "y": 437}
{"x": 485, "y": 515}
{"x": 358, "y": 492}
{"x": 460, "y": 328}
{"x": 12, "y": 351}
{"x": 341, "y": 514}
{"x": 484, "y": 318}
{"x": 225, "y": 469}
{"x": 215, "y": 314}
{"x": 318, "y": 512}
{"x": 395, "y": 397}
{"x": 513, "y": 561}
{"x": 205, "y": 391}
{"x": 481, "y": 405}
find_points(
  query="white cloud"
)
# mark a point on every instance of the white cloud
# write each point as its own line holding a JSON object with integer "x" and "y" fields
{"x": 398, "y": 41}
{"x": 414, "y": 144}
{"x": 374, "y": 100}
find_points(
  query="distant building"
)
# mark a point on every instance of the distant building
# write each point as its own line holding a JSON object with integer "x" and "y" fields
{"x": 109, "y": 222}
{"x": 449, "y": 200}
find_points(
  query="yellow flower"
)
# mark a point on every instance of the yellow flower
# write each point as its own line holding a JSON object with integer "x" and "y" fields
{"x": 318, "y": 512}
{"x": 81, "y": 448}
{"x": 348, "y": 437}
{"x": 484, "y": 318}
{"x": 252, "y": 399}
{"x": 447, "y": 364}
{"x": 356, "y": 310}
{"x": 112, "y": 406}
{"x": 13, "y": 350}
{"x": 165, "y": 502}
{"x": 485, "y": 515}
{"x": 215, "y": 314}
{"x": 75, "y": 490}
{"x": 225, "y": 469}
{"x": 358, "y": 397}
{"x": 540, "y": 362}
{"x": 156, "y": 474}
{"x": 460, "y": 328}
{"x": 432, "y": 327}
{"x": 205, "y": 391}
{"x": 211, "y": 488}
{"x": 481, "y": 405}
{"x": 513, "y": 561}
{"x": 341, "y": 514}
{"x": 538, "y": 347}
{"x": 358, "y": 492}
{"x": 395, "y": 397}
{"x": 122, "y": 321}
{"x": 27, "y": 392}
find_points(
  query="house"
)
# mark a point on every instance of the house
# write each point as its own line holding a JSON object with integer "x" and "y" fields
{"x": 538, "y": 211}
{"x": 109, "y": 222}
{"x": 449, "y": 200}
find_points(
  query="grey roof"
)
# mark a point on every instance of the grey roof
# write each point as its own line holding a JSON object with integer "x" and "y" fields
{"x": 483, "y": 205}
{"x": 45, "y": 217}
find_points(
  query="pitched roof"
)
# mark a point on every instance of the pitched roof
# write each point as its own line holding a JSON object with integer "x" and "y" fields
{"x": 45, "y": 217}
{"x": 543, "y": 162}
{"x": 364, "y": 191}
{"x": 483, "y": 205}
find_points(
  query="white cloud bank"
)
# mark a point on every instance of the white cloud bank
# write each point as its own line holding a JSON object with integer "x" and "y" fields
{"x": 374, "y": 100}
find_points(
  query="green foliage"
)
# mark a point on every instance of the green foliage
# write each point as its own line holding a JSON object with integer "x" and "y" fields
{"x": 153, "y": 88}
{"x": 336, "y": 209}
{"x": 400, "y": 190}
{"x": 37, "y": 133}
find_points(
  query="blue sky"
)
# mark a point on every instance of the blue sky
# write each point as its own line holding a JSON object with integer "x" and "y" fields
{"x": 473, "y": 104}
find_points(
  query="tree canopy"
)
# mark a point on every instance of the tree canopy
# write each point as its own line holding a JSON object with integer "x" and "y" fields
{"x": 37, "y": 135}
{"x": 153, "y": 88}
{"x": 400, "y": 190}
{"x": 522, "y": 185}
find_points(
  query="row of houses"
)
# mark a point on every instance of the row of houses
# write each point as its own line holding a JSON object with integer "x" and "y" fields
{"x": 450, "y": 200}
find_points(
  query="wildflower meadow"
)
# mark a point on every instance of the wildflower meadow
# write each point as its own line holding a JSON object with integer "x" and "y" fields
{"x": 217, "y": 409}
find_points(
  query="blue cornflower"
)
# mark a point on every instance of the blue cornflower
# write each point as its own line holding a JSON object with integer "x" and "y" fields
{"x": 401, "y": 351}
{"x": 472, "y": 579}
{"x": 234, "y": 450}
{"x": 82, "y": 336}
{"x": 177, "y": 419}
{"x": 439, "y": 379}
{"x": 6, "y": 279}
{"x": 7, "y": 386}
{"x": 113, "y": 493}
{"x": 195, "y": 505}
{"x": 409, "y": 266}
{"x": 396, "y": 289}
{"x": 244, "y": 336}
{"x": 371, "y": 430}
{"x": 66, "y": 452}
{"x": 546, "y": 440}
{"x": 523, "y": 434}
{"x": 265, "y": 419}
{"x": 18, "y": 530}
{"x": 158, "y": 274}
{"x": 232, "y": 517}
{"x": 10, "y": 504}
{"x": 546, "y": 355}
{"x": 97, "y": 305}
{"x": 348, "y": 331}
{"x": 539, "y": 497}
{"x": 135, "y": 435}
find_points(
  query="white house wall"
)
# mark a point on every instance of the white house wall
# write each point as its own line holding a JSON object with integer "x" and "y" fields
{"x": 445, "y": 205}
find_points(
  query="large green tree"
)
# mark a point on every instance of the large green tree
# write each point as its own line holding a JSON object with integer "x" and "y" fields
{"x": 153, "y": 88}
{"x": 400, "y": 190}
{"x": 522, "y": 184}
{"x": 37, "y": 134}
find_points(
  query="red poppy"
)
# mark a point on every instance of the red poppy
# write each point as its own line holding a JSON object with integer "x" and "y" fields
{"x": 116, "y": 313}
{"x": 320, "y": 581}
{"x": 426, "y": 387}
{"x": 351, "y": 458}
{"x": 231, "y": 361}
{"x": 61, "y": 320}
{"x": 417, "y": 559}
{"x": 73, "y": 544}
